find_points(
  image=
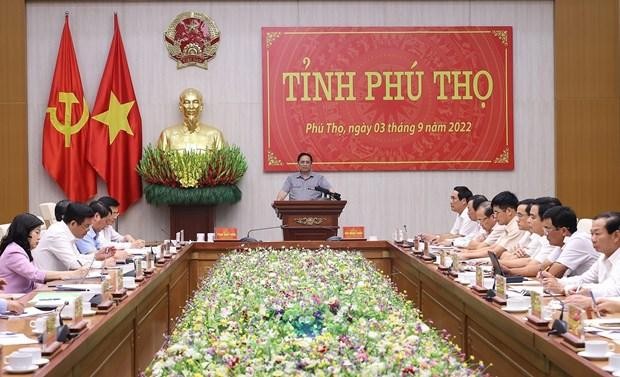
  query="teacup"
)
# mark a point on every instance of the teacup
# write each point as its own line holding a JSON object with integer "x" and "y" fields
{"x": 200, "y": 237}
{"x": 467, "y": 277}
{"x": 38, "y": 325}
{"x": 373, "y": 238}
{"x": 598, "y": 347}
{"x": 35, "y": 352}
{"x": 518, "y": 303}
{"x": 210, "y": 237}
{"x": 19, "y": 360}
{"x": 488, "y": 282}
{"x": 614, "y": 362}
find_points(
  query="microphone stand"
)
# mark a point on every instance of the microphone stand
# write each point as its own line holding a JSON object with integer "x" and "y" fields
{"x": 247, "y": 237}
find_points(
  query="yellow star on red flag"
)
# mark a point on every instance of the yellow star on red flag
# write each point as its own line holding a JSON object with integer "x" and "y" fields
{"x": 116, "y": 117}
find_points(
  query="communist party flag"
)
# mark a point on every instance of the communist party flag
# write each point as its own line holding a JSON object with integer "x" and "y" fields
{"x": 115, "y": 132}
{"x": 65, "y": 125}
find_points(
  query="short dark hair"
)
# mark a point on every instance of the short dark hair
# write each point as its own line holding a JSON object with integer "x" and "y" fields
{"x": 109, "y": 201}
{"x": 562, "y": 217}
{"x": 60, "y": 209}
{"x": 612, "y": 220}
{"x": 299, "y": 156}
{"x": 546, "y": 202}
{"x": 527, "y": 203}
{"x": 488, "y": 209}
{"x": 19, "y": 232}
{"x": 99, "y": 208}
{"x": 77, "y": 212}
{"x": 504, "y": 200}
{"x": 463, "y": 193}
{"x": 477, "y": 200}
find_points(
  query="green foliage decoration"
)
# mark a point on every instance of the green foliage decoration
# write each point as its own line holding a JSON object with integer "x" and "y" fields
{"x": 192, "y": 177}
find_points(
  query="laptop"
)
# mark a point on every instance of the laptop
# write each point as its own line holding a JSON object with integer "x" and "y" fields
{"x": 497, "y": 270}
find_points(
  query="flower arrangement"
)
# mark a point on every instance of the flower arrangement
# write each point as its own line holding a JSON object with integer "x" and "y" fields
{"x": 282, "y": 312}
{"x": 192, "y": 177}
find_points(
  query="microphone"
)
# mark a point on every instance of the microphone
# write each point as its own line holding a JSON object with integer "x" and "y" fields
{"x": 559, "y": 326}
{"x": 247, "y": 237}
{"x": 327, "y": 193}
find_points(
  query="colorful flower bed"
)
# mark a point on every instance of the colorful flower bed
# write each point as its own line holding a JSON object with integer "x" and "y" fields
{"x": 303, "y": 312}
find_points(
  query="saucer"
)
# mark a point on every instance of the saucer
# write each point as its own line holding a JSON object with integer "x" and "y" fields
{"x": 590, "y": 356}
{"x": 608, "y": 368}
{"x": 606, "y": 323}
{"x": 616, "y": 373}
{"x": 9, "y": 369}
{"x": 42, "y": 361}
{"x": 516, "y": 310}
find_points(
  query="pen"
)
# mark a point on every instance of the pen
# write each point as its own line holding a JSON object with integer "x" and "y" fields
{"x": 80, "y": 263}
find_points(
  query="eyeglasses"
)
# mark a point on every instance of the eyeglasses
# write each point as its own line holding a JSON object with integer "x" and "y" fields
{"x": 498, "y": 211}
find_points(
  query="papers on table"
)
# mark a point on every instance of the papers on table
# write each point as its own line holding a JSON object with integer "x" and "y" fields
{"x": 53, "y": 298}
{"x": 94, "y": 288}
{"x": 14, "y": 339}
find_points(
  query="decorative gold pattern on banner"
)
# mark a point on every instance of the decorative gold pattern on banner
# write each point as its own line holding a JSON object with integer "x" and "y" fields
{"x": 273, "y": 159}
{"x": 192, "y": 38}
{"x": 272, "y": 37}
{"x": 310, "y": 220}
{"x": 503, "y": 158}
{"x": 502, "y": 35}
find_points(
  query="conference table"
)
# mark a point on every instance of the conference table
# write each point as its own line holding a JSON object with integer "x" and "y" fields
{"x": 123, "y": 341}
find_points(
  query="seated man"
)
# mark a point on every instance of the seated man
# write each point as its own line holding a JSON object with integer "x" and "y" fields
{"x": 539, "y": 250}
{"x": 301, "y": 186}
{"x": 505, "y": 210}
{"x": 91, "y": 242}
{"x": 463, "y": 224}
{"x": 109, "y": 235}
{"x": 521, "y": 248}
{"x": 57, "y": 251}
{"x": 191, "y": 135}
{"x": 603, "y": 277}
{"x": 577, "y": 253}
{"x": 473, "y": 205}
{"x": 493, "y": 231}
{"x": 60, "y": 209}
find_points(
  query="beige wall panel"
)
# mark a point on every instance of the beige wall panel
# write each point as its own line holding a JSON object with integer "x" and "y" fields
{"x": 13, "y": 114}
{"x": 13, "y": 160}
{"x": 587, "y": 105}
{"x": 586, "y": 48}
{"x": 232, "y": 87}
{"x": 13, "y": 58}
{"x": 587, "y": 155}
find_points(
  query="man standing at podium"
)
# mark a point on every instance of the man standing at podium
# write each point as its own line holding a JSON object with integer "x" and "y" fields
{"x": 302, "y": 185}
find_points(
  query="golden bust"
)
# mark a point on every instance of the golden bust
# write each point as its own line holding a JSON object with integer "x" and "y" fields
{"x": 191, "y": 135}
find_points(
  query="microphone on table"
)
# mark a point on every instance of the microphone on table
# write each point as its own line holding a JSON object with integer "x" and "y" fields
{"x": 62, "y": 331}
{"x": 559, "y": 326}
{"x": 247, "y": 237}
{"x": 327, "y": 193}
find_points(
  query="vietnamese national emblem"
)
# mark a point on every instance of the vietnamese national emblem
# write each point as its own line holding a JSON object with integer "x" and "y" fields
{"x": 192, "y": 38}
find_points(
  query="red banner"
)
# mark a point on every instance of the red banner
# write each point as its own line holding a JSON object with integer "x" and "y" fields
{"x": 388, "y": 98}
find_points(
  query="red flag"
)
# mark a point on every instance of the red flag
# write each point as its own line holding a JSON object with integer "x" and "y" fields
{"x": 65, "y": 126}
{"x": 115, "y": 132}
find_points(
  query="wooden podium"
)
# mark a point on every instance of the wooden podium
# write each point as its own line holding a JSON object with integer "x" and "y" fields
{"x": 309, "y": 219}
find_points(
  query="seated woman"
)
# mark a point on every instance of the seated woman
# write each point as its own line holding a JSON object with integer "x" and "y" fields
{"x": 16, "y": 266}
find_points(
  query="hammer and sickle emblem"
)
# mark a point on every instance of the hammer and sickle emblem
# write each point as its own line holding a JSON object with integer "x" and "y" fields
{"x": 68, "y": 128}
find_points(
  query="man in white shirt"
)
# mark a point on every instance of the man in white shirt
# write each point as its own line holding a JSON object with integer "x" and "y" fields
{"x": 109, "y": 235}
{"x": 57, "y": 251}
{"x": 505, "y": 210}
{"x": 520, "y": 250}
{"x": 603, "y": 277}
{"x": 540, "y": 250}
{"x": 472, "y": 207}
{"x": 577, "y": 254}
{"x": 463, "y": 225}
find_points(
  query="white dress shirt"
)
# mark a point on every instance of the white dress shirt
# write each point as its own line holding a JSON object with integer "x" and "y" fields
{"x": 602, "y": 278}
{"x": 497, "y": 232}
{"x": 464, "y": 226}
{"x": 110, "y": 237}
{"x": 547, "y": 251}
{"x": 57, "y": 251}
{"x": 512, "y": 236}
{"x": 577, "y": 254}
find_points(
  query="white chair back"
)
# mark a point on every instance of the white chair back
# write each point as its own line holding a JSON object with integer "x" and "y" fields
{"x": 584, "y": 225}
{"x": 47, "y": 212}
{"x": 4, "y": 228}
